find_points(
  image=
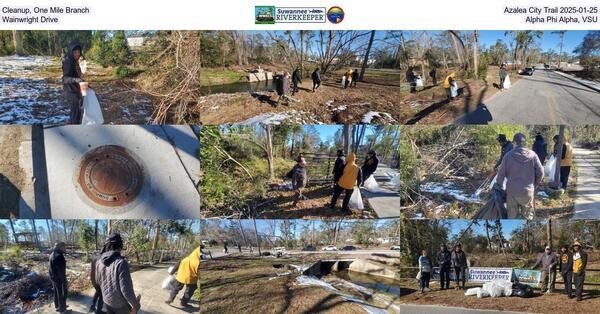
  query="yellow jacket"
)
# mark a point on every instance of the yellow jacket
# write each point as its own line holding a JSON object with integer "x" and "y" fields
{"x": 350, "y": 174}
{"x": 447, "y": 80}
{"x": 187, "y": 273}
{"x": 568, "y": 160}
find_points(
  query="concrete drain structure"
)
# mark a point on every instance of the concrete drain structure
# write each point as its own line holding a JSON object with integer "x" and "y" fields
{"x": 110, "y": 176}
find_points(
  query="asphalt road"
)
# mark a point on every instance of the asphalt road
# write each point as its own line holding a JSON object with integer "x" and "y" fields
{"x": 543, "y": 98}
{"x": 436, "y": 309}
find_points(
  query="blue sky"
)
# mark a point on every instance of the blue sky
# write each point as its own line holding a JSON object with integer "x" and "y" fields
{"x": 458, "y": 226}
{"x": 41, "y": 224}
{"x": 263, "y": 227}
{"x": 548, "y": 41}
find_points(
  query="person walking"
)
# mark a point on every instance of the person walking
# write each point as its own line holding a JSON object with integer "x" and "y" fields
{"x": 58, "y": 275}
{"x": 282, "y": 88}
{"x": 540, "y": 147}
{"x": 114, "y": 277}
{"x": 225, "y": 248}
{"x": 187, "y": 276}
{"x": 433, "y": 76}
{"x": 97, "y": 303}
{"x": 565, "y": 266}
{"x": 566, "y": 160}
{"x": 523, "y": 172}
{"x": 71, "y": 77}
{"x": 425, "y": 271}
{"x": 411, "y": 79}
{"x": 444, "y": 259}
{"x": 450, "y": 86}
{"x": 348, "y": 78}
{"x": 580, "y": 260}
{"x": 296, "y": 79}
{"x": 354, "y": 77}
{"x": 548, "y": 261}
{"x": 506, "y": 146}
{"x": 338, "y": 166}
{"x": 351, "y": 176}
{"x": 502, "y": 75}
{"x": 459, "y": 265}
{"x": 316, "y": 79}
{"x": 370, "y": 165}
{"x": 299, "y": 178}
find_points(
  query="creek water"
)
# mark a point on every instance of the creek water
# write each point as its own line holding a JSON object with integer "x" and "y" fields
{"x": 372, "y": 282}
{"x": 238, "y": 87}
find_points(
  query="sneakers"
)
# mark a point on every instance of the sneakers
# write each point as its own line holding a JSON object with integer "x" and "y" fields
{"x": 427, "y": 289}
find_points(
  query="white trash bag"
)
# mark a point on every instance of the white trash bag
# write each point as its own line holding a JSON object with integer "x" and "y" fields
{"x": 494, "y": 183}
{"x": 92, "y": 113}
{"x": 506, "y": 82}
{"x": 169, "y": 283}
{"x": 550, "y": 167}
{"x": 343, "y": 81}
{"x": 472, "y": 291}
{"x": 356, "y": 200}
{"x": 419, "y": 81}
{"x": 371, "y": 184}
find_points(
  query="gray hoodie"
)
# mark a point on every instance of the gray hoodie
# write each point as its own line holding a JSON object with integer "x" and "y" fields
{"x": 114, "y": 278}
{"x": 523, "y": 171}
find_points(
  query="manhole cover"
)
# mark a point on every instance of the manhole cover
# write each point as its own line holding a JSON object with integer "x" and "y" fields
{"x": 110, "y": 176}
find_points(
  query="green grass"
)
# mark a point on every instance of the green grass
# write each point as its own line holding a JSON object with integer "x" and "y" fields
{"x": 209, "y": 77}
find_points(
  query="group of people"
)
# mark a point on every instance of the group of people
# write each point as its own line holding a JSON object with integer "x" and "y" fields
{"x": 570, "y": 263}
{"x": 346, "y": 175}
{"x": 111, "y": 279}
{"x": 522, "y": 170}
{"x": 454, "y": 261}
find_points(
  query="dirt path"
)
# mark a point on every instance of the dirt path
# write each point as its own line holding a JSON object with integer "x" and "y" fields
{"x": 330, "y": 104}
{"x": 11, "y": 175}
{"x": 147, "y": 283}
{"x": 587, "y": 201}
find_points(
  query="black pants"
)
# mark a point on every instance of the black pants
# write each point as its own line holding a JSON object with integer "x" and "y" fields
{"x": 354, "y": 81}
{"x": 120, "y": 310}
{"x": 502, "y": 82}
{"x": 60, "y": 295}
{"x": 445, "y": 277}
{"x": 75, "y": 103}
{"x": 295, "y": 87}
{"x": 425, "y": 277}
{"x": 187, "y": 294}
{"x": 460, "y": 275}
{"x": 564, "y": 176}
{"x": 413, "y": 87}
{"x": 346, "y": 84}
{"x": 568, "y": 280}
{"x": 579, "y": 279}
{"x": 316, "y": 84}
{"x": 337, "y": 191}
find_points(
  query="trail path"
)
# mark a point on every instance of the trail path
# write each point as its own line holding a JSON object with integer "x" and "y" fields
{"x": 385, "y": 202}
{"x": 147, "y": 283}
{"x": 587, "y": 201}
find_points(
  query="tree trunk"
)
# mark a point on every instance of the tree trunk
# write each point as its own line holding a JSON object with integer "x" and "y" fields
{"x": 35, "y": 236}
{"x": 365, "y": 62}
{"x": 18, "y": 42}
{"x": 346, "y": 139}
{"x": 256, "y": 235}
{"x": 558, "y": 151}
{"x": 269, "y": 146}
{"x": 549, "y": 233}
{"x": 96, "y": 234}
{"x": 155, "y": 244}
{"x": 475, "y": 54}
{"x": 50, "y": 237}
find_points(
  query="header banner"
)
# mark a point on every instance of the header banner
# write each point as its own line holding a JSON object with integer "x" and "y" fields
{"x": 296, "y": 15}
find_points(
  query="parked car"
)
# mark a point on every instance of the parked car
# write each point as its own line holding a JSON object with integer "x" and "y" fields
{"x": 310, "y": 248}
{"x": 279, "y": 249}
{"x": 329, "y": 248}
{"x": 527, "y": 71}
{"x": 395, "y": 248}
{"x": 349, "y": 248}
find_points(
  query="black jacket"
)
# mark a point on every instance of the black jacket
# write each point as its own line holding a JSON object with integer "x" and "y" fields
{"x": 296, "y": 77}
{"x": 565, "y": 262}
{"x": 506, "y": 147}
{"x": 444, "y": 258}
{"x": 71, "y": 74}
{"x": 370, "y": 165}
{"x": 316, "y": 76}
{"x": 338, "y": 168}
{"x": 540, "y": 147}
{"x": 57, "y": 267}
{"x": 354, "y": 76}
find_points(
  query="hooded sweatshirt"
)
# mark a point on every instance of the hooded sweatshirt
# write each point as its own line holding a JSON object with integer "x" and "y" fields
{"x": 351, "y": 175}
{"x": 548, "y": 261}
{"x": 187, "y": 272}
{"x": 540, "y": 147}
{"x": 449, "y": 79}
{"x": 71, "y": 72}
{"x": 523, "y": 170}
{"x": 57, "y": 267}
{"x": 338, "y": 168}
{"x": 114, "y": 278}
{"x": 299, "y": 175}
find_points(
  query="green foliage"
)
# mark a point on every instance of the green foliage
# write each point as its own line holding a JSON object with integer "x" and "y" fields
{"x": 100, "y": 50}
{"x": 14, "y": 253}
{"x": 121, "y": 54}
{"x": 122, "y": 71}
{"x": 87, "y": 237}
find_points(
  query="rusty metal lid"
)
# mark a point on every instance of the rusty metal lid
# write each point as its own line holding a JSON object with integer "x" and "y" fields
{"x": 110, "y": 176}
